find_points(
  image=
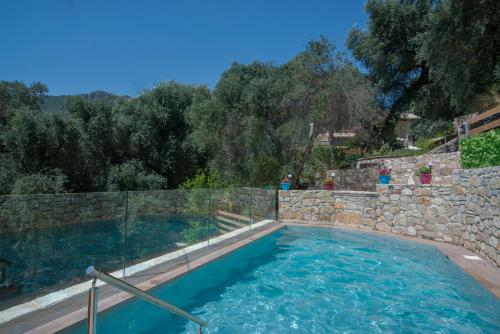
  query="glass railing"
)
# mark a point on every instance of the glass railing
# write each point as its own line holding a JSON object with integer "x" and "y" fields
{"x": 47, "y": 241}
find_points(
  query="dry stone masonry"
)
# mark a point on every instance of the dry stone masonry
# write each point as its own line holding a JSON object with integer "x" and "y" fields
{"x": 464, "y": 212}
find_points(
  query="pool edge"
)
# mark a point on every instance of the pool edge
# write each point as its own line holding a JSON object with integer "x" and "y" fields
{"x": 80, "y": 314}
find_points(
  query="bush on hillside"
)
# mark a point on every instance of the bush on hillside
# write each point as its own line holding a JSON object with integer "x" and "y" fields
{"x": 481, "y": 151}
{"x": 429, "y": 128}
{"x": 40, "y": 184}
{"x": 131, "y": 175}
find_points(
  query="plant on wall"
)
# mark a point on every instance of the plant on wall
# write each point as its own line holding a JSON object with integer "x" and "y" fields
{"x": 481, "y": 151}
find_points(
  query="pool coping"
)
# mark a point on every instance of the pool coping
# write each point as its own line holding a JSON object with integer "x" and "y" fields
{"x": 482, "y": 271}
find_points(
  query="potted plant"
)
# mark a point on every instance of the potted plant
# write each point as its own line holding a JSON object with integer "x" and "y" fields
{"x": 384, "y": 175}
{"x": 329, "y": 182}
{"x": 425, "y": 174}
{"x": 286, "y": 183}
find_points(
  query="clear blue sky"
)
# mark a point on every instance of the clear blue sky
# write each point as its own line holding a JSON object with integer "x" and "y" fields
{"x": 77, "y": 46}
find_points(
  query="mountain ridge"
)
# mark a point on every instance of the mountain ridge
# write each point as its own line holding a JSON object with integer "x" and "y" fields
{"x": 57, "y": 103}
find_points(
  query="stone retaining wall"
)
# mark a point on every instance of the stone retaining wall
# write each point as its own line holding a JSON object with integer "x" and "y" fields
{"x": 464, "y": 213}
{"x": 19, "y": 212}
{"x": 479, "y": 193}
{"x": 364, "y": 179}
{"x": 321, "y": 206}
{"x": 404, "y": 167}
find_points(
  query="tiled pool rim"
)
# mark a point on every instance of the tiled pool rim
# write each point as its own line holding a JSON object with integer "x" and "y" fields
{"x": 482, "y": 271}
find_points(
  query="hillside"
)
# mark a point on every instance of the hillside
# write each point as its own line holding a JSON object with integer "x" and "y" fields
{"x": 57, "y": 103}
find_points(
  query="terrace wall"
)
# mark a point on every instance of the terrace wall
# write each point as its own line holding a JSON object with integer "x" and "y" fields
{"x": 364, "y": 179}
{"x": 464, "y": 213}
{"x": 404, "y": 167}
{"x": 356, "y": 208}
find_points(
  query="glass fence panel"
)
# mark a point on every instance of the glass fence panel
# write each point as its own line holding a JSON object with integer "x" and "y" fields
{"x": 160, "y": 222}
{"x": 230, "y": 209}
{"x": 47, "y": 241}
{"x": 263, "y": 204}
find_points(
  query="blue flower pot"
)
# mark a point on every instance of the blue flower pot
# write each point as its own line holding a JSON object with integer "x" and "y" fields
{"x": 285, "y": 186}
{"x": 384, "y": 179}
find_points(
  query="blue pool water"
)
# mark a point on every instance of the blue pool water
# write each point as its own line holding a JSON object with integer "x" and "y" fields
{"x": 316, "y": 280}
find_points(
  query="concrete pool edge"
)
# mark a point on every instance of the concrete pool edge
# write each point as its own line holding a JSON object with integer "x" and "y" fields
{"x": 482, "y": 271}
{"x": 55, "y": 297}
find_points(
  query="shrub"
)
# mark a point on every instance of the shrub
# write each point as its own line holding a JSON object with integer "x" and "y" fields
{"x": 429, "y": 128}
{"x": 8, "y": 174}
{"x": 204, "y": 179}
{"x": 481, "y": 151}
{"x": 132, "y": 176}
{"x": 426, "y": 144}
{"x": 384, "y": 171}
{"x": 423, "y": 170}
{"x": 324, "y": 158}
{"x": 40, "y": 184}
{"x": 197, "y": 231}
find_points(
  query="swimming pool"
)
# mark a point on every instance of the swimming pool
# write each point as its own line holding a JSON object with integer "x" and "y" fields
{"x": 46, "y": 259}
{"x": 318, "y": 280}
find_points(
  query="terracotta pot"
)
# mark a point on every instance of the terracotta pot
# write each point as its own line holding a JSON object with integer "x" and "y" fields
{"x": 425, "y": 178}
{"x": 328, "y": 186}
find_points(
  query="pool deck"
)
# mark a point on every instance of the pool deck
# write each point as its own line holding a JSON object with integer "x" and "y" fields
{"x": 73, "y": 310}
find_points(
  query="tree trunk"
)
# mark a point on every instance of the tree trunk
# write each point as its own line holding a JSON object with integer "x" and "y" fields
{"x": 304, "y": 158}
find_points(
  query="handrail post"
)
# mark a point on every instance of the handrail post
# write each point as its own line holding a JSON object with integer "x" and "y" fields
{"x": 124, "y": 286}
{"x": 92, "y": 309}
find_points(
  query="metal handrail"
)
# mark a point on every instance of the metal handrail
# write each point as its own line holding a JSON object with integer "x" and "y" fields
{"x": 122, "y": 285}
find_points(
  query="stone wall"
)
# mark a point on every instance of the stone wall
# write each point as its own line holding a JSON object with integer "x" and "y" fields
{"x": 364, "y": 179}
{"x": 328, "y": 207}
{"x": 479, "y": 193}
{"x": 404, "y": 167}
{"x": 18, "y": 212}
{"x": 422, "y": 211}
{"x": 464, "y": 213}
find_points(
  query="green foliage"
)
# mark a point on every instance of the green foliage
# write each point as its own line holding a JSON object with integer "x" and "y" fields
{"x": 9, "y": 173}
{"x": 427, "y": 128}
{"x": 389, "y": 153}
{"x": 324, "y": 158}
{"x": 259, "y": 124}
{"x": 196, "y": 232}
{"x": 15, "y": 94}
{"x": 481, "y": 151}
{"x": 99, "y": 132}
{"x": 40, "y": 184}
{"x": 423, "y": 170}
{"x": 262, "y": 120}
{"x": 426, "y": 144}
{"x": 432, "y": 58}
{"x": 388, "y": 49}
{"x": 204, "y": 180}
{"x": 460, "y": 45}
{"x": 132, "y": 176}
